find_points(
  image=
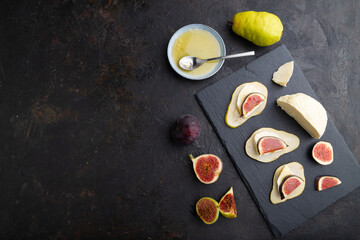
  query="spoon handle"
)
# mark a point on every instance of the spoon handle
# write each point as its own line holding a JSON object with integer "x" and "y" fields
{"x": 251, "y": 53}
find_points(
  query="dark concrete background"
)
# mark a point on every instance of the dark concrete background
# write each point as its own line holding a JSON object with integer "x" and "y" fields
{"x": 87, "y": 97}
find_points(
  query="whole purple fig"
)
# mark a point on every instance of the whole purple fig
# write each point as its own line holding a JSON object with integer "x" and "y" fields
{"x": 186, "y": 129}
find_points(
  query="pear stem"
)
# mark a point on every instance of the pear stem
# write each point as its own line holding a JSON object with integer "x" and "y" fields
{"x": 230, "y": 22}
{"x": 191, "y": 157}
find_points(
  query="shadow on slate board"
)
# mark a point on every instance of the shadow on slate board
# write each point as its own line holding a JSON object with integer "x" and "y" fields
{"x": 258, "y": 176}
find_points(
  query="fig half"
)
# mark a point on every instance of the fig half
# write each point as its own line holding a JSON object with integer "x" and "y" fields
{"x": 323, "y": 153}
{"x": 208, "y": 210}
{"x": 227, "y": 205}
{"x": 207, "y": 167}
{"x": 288, "y": 185}
{"x": 325, "y": 182}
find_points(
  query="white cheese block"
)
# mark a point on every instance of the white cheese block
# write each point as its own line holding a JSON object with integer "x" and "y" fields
{"x": 283, "y": 74}
{"x": 308, "y": 112}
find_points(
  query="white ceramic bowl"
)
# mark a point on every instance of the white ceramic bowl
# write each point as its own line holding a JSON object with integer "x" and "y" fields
{"x": 175, "y": 65}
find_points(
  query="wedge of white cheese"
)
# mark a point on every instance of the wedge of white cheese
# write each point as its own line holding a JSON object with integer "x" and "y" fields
{"x": 308, "y": 112}
{"x": 283, "y": 74}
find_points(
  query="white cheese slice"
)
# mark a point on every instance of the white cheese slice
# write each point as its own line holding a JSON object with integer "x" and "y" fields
{"x": 262, "y": 134}
{"x": 283, "y": 74}
{"x": 308, "y": 112}
{"x": 286, "y": 171}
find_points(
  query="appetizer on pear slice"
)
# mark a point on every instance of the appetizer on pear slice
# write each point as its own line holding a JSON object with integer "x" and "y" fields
{"x": 248, "y": 100}
{"x": 288, "y": 182}
{"x": 268, "y": 144}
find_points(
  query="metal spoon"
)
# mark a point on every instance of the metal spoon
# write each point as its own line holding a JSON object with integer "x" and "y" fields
{"x": 190, "y": 63}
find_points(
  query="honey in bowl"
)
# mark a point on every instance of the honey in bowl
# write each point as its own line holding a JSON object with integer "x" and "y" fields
{"x": 197, "y": 43}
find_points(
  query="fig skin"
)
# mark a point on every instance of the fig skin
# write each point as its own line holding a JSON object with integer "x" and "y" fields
{"x": 216, "y": 172}
{"x": 186, "y": 129}
{"x": 202, "y": 210}
{"x": 227, "y": 199}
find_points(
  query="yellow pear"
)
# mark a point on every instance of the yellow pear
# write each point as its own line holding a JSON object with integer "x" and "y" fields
{"x": 261, "y": 28}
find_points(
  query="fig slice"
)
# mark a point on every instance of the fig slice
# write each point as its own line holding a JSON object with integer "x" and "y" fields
{"x": 268, "y": 145}
{"x": 251, "y": 146}
{"x": 288, "y": 185}
{"x": 325, "y": 182}
{"x": 280, "y": 175}
{"x": 234, "y": 117}
{"x": 227, "y": 205}
{"x": 251, "y": 102}
{"x": 323, "y": 153}
{"x": 207, "y": 167}
{"x": 208, "y": 210}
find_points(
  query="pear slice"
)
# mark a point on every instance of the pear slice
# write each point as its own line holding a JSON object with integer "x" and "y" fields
{"x": 251, "y": 146}
{"x": 281, "y": 174}
{"x": 283, "y": 74}
{"x": 234, "y": 117}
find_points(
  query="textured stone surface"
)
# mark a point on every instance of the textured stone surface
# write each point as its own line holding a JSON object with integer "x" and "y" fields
{"x": 87, "y": 97}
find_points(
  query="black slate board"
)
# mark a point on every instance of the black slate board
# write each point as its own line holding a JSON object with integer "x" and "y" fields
{"x": 258, "y": 176}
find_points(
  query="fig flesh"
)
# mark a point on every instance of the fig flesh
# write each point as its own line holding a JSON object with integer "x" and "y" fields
{"x": 208, "y": 210}
{"x": 325, "y": 182}
{"x": 288, "y": 185}
{"x": 323, "y": 153}
{"x": 227, "y": 205}
{"x": 268, "y": 145}
{"x": 186, "y": 129}
{"x": 250, "y": 103}
{"x": 207, "y": 167}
